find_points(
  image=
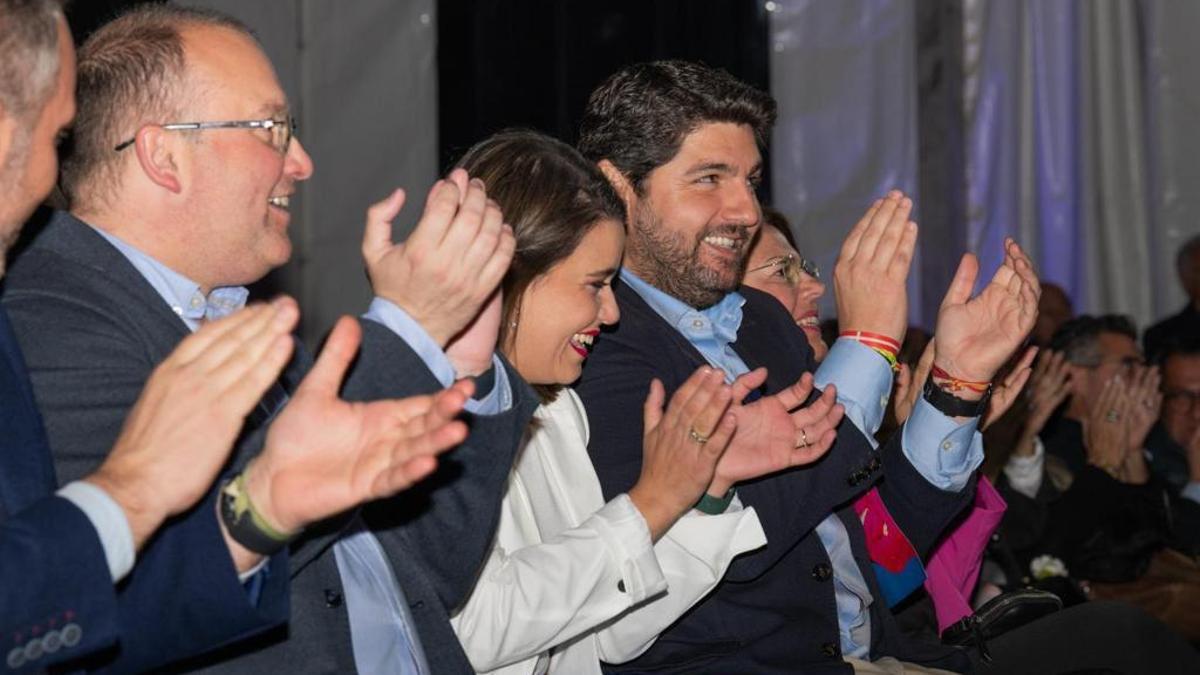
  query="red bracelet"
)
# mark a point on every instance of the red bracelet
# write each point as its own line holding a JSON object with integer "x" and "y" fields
{"x": 864, "y": 336}
{"x": 956, "y": 384}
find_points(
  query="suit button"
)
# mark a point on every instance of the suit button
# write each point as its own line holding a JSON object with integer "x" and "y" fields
{"x": 417, "y": 605}
{"x": 16, "y": 658}
{"x": 71, "y": 634}
{"x": 52, "y": 641}
{"x": 33, "y": 650}
{"x": 830, "y": 649}
{"x": 821, "y": 572}
{"x": 333, "y": 599}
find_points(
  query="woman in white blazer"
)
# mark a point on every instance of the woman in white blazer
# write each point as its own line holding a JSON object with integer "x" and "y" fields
{"x": 572, "y": 580}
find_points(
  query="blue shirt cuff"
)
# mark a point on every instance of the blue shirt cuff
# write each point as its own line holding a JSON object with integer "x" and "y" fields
{"x": 1192, "y": 491}
{"x": 110, "y": 522}
{"x": 945, "y": 453}
{"x": 863, "y": 380}
{"x": 395, "y": 319}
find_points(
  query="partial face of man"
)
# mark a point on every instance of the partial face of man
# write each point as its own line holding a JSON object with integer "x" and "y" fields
{"x": 692, "y": 224}
{"x": 1119, "y": 354}
{"x": 31, "y": 164}
{"x": 1181, "y": 397}
{"x": 240, "y": 182}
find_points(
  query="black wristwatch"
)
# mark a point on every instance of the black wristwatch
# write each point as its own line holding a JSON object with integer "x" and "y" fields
{"x": 953, "y": 406}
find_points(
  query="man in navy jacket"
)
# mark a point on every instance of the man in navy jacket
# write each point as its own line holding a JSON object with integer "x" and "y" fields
{"x": 680, "y": 143}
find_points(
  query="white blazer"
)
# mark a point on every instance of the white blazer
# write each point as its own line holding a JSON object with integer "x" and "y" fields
{"x": 572, "y": 581}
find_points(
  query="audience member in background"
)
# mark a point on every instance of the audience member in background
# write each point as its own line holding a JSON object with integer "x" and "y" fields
{"x": 1054, "y": 309}
{"x": 775, "y": 266}
{"x": 573, "y": 581}
{"x": 179, "y": 180}
{"x": 1115, "y": 525}
{"x": 1187, "y": 321}
{"x": 1174, "y": 443}
{"x": 62, "y": 552}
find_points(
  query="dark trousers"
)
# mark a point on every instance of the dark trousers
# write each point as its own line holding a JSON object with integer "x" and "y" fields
{"x": 1093, "y": 637}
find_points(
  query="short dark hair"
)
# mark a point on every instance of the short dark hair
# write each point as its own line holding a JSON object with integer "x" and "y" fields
{"x": 638, "y": 117}
{"x": 1077, "y": 339}
{"x": 776, "y": 219}
{"x": 28, "y": 55}
{"x": 131, "y": 73}
{"x": 551, "y": 196}
{"x": 1180, "y": 344}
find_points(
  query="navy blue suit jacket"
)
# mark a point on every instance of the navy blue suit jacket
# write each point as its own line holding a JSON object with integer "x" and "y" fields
{"x": 774, "y": 612}
{"x": 57, "y": 599}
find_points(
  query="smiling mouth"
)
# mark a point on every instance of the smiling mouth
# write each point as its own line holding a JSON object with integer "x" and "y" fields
{"x": 280, "y": 202}
{"x": 810, "y": 321}
{"x": 582, "y": 342}
{"x": 730, "y": 245}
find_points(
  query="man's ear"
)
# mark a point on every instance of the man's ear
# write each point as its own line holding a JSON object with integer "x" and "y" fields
{"x": 620, "y": 183}
{"x": 155, "y": 151}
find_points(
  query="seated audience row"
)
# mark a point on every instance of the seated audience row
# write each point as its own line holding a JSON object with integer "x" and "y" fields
{"x": 648, "y": 465}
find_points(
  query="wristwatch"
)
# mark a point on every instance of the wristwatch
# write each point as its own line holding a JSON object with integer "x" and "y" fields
{"x": 244, "y": 523}
{"x": 953, "y": 406}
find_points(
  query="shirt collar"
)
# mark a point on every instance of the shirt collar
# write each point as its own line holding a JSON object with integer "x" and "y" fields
{"x": 181, "y": 294}
{"x": 721, "y": 320}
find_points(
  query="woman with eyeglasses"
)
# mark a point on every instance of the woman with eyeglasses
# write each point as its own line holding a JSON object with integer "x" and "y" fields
{"x": 572, "y": 580}
{"x": 775, "y": 267}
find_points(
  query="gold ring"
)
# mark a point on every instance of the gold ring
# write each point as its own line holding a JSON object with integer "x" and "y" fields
{"x": 803, "y": 443}
{"x": 697, "y": 436}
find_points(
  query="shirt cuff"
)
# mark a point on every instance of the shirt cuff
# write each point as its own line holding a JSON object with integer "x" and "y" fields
{"x": 395, "y": 319}
{"x": 863, "y": 379}
{"x": 943, "y": 452}
{"x": 627, "y": 537}
{"x": 1024, "y": 474}
{"x": 1192, "y": 491}
{"x": 110, "y": 522}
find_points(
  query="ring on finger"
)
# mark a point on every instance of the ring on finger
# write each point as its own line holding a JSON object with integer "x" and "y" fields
{"x": 1112, "y": 416}
{"x": 803, "y": 442}
{"x": 697, "y": 436}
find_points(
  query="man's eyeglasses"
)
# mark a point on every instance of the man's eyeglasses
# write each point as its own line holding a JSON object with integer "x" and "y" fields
{"x": 1182, "y": 399}
{"x": 282, "y": 130}
{"x": 790, "y": 266}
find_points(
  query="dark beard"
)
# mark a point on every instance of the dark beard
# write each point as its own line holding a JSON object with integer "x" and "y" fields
{"x": 671, "y": 263}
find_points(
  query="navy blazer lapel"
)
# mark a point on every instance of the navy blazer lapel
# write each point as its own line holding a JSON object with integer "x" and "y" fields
{"x": 641, "y": 314}
{"x": 26, "y": 473}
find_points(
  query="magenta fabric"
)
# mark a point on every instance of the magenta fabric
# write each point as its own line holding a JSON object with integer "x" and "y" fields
{"x": 953, "y": 568}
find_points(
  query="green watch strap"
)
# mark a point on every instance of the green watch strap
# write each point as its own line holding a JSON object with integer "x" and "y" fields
{"x": 715, "y": 506}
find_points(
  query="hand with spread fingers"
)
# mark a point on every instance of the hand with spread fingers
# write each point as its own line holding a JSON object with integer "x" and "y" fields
{"x": 1049, "y": 386}
{"x": 324, "y": 455}
{"x": 451, "y": 263}
{"x": 976, "y": 335}
{"x": 681, "y": 447}
{"x": 182, "y": 428}
{"x": 1005, "y": 394}
{"x": 872, "y": 268}
{"x": 776, "y": 432}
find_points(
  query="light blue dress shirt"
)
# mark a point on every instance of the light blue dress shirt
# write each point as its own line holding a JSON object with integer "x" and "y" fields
{"x": 945, "y": 453}
{"x": 382, "y": 636}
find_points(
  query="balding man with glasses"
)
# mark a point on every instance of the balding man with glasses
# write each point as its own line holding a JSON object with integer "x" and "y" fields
{"x": 182, "y": 165}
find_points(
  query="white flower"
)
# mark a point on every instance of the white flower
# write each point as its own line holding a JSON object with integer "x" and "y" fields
{"x": 1046, "y": 566}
